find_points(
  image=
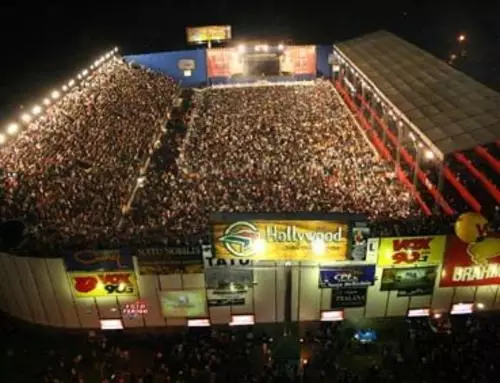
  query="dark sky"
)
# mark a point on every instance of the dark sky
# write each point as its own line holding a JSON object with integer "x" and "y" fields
{"x": 45, "y": 44}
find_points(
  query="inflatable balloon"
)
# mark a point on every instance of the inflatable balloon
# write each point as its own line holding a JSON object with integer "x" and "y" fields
{"x": 471, "y": 227}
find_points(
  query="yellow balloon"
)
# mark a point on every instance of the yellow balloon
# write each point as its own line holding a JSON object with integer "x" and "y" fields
{"x": 469, "y": 227}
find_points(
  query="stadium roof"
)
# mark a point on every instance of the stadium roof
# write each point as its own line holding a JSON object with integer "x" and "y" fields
{"x": 451, "y": 109}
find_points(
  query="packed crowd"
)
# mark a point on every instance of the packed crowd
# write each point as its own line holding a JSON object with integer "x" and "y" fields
{"x": 268, "y": 149}
{"x": 412, "y": 352}
{"x": 70, "y": 171}
{"x": 294, "y": 148}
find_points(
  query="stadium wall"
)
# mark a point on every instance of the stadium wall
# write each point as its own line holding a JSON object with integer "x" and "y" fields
{"x": 38, "y": 290}
{"x": 174, "y": 63}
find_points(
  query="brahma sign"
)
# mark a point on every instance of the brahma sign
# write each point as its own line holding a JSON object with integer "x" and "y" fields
{"x": 471, "y": 264}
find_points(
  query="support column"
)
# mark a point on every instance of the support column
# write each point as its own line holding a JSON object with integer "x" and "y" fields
{"x": 398, "y": 146}
{"x": 417, "y": 167}
{"x": 440, "y": 185}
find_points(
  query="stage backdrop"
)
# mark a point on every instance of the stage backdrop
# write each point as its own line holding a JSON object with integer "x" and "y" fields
{"x": 175, "y": 64}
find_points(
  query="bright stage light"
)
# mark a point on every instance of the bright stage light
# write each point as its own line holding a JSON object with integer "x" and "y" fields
{"x": 46, "y": 101}
{"x": 26, "y": 117}
{"x": 12, "y": 129}
{"x": 241, "y": 48}
{"x": 36, "y": 110}
{"x": 55, "y": 94}
{"x": 281, "y": 47}
{"x": 265, "y": 48}
{"x": 71, "y": 82}
{"x": 64, "y": 88}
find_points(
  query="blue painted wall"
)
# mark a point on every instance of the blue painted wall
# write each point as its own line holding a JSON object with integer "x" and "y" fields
{"x": 166, "y": 62}
{"x": 322, "y": 53}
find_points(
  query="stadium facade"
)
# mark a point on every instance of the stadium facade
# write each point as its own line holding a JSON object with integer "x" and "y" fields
{"x": 265, "y": 269}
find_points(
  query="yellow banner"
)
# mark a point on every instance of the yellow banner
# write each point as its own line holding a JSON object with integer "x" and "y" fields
{"x": 281, "y": 240}
{"x": 103, "y": 284}
{"x": 411, "y": 251}
{"x": 211, "y": 33}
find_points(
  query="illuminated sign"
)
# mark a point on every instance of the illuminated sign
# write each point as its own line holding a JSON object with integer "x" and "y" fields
{"x": 282, "y": 240}
{"x": 411, "y": 251}
{"x": 103, "y": 284}
{"x": 242, "y": 320}
{"x": 462, "y": 308}
{"x": 186, "y": 64}
{"x": 111, "y": 324}
{"x": 416, "y": 313}
{"x": 184, "y": 304}
{"x": 197, "y": 35}
{"x": 332, "y": 316}
{"x": 347, "y": 276}
{"x": 135, "y": 309}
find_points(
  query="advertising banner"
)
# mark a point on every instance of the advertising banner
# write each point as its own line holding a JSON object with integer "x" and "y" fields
{"x": 217, "y": 298}
{"x": 359, "y": 243}
{"x": 275, "y": 240}
{"x": 413, "y": 280}
{"x": 411, "y": 251}
{"x": 471, "y": 264}
{"x": 94, "y": 260}
{"x": 184, "y": 304}
{"x": 222, "y": 275}
{"x": 347, "y": 276}
{"x": 299, "y": 59}
{"x": 223, "y": 62}
{"x": 103, "y": 284}
{"x": 349, "y": 297}
{"x": 170, "y": 260}
{"x": 197, "y": 35}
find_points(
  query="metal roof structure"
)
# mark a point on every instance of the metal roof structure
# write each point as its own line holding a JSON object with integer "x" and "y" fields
{"x": 451, "y": 109}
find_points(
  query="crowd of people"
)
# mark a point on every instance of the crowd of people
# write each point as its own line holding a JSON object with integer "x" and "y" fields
{"x": 268, "y": 149}
{"x": 411, "y": 352}
{"x": 69, "y": 172}
{"x": 73, "y": 173}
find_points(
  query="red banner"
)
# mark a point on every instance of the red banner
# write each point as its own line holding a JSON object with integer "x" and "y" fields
{"x": 219, "y": 62}
{"x": 300, "y": 59}
{"x": 475, "y": 264}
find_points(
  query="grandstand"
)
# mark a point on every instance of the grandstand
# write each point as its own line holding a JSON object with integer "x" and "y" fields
{"x": 439, "y": 127}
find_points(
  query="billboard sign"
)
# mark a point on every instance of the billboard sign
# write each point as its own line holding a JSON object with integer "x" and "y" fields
{"x": 184, "y": 304}
{"x": 471, "y": 264}
{"x": 347, "y": 276}
{"x": 411, "y": 251}
{"x": 409, "y": 281}
{"x": 170, "y": 260}
{"x": 103, "y": 284}
{"x": 94, "y": 260}
{"x": 282, "y": 240}
{"x": 224, "y": 62}
{"x": 186, "y": 64}
{"x": 359, "y": 243}
{"x": 299, "y": 59}
{"x": 348, "y": 297}
{"x": 222, "y": 275}
{"x": 199, "y": 35}
{"x": 218, "y": 298}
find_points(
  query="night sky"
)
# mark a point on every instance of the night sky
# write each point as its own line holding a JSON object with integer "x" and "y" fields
{"x": 44, "y": 45}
